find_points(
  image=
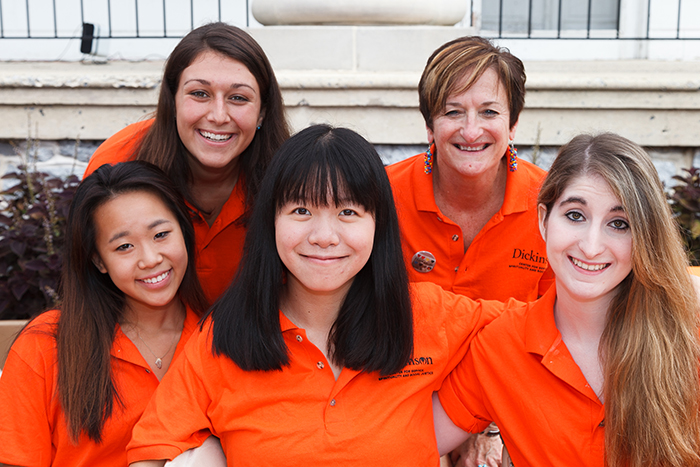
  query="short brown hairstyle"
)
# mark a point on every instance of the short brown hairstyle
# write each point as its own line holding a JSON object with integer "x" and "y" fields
{"x": 453, "y": 61}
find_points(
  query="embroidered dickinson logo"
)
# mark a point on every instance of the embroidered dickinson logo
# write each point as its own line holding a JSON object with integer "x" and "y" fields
{"x": 423, "y": 261}
{"x": 415, "y": 367}
{"x": 528, "y": 260}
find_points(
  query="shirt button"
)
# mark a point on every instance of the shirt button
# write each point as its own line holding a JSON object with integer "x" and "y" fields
{"x": 455, "y": 238}
{"x": 147, "y": 370}
{"x": 332, "y": 402}
{"x": 439, "y": 218}
{"x": 320, "y": 365}
{"x": 456, "y": 269}
{"x": 299, "y": 338}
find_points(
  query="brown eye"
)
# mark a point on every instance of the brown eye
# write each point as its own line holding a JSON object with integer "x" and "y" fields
{"x": 574, "y": 216}
{"x": 619, "y": 224}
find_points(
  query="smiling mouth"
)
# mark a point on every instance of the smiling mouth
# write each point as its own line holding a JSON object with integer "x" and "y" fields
{"x": 589, "y": 267}
{"x": 158, "y": 278}
{"x": 323, "y": 258}
{"x": 472, "y": 148}
{"x": 215, "y": 136}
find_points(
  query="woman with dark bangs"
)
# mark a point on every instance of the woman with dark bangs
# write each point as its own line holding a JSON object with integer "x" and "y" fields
{"x": 320, "y": 353}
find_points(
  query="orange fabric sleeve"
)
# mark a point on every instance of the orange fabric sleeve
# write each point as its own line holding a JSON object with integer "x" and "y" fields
{"x": 119, "y": 147}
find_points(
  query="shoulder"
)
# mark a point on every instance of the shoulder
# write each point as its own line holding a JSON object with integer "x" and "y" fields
{"x": 402, "y": 170}
{"x": 526, "y": 182}
{"x": 36, "y": 343}
{"x": 522, "y": 325}
{"x": 45, "y": 322}
{"x": 119, "y": 146}
{"x": 533, "y": 172}
{"x": 430, "y": 301}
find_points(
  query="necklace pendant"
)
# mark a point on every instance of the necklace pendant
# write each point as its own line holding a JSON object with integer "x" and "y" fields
{"x": 159, "y": 363}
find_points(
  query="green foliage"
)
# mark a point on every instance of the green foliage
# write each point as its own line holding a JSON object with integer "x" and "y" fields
{"x": 685, "y": 203}
{"x": 32, "y": 224}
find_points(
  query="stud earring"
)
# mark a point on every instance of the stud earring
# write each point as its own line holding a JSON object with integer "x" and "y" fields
{"x": 259, "y": 126}
{"x": 512, "y": 154}
{"x": 428, "y": 160}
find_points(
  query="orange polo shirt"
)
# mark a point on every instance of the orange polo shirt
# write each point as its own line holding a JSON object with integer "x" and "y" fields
{"x": 519, "y": 374}
{"x": 219, "y": 247}
{"x": 302, "y": 415}
{"x": 507, "y": 258}
{"x": 32, "y": 427}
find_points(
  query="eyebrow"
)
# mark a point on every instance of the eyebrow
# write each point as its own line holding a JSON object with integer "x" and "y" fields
{"x": 483, "y": 104}
{"x": 124, "y": 233}
{"x": 577, "y": 200}
{"x": 208, "y": 83}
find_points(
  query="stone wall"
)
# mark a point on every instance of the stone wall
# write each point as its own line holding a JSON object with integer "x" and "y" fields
{"x": 365, "y": 77}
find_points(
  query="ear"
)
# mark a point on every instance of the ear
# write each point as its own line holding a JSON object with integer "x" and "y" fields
{"x": 97, "y": 261}
{"x": 542, "y": 220}
{"x": 431, "y": 136}
{"x": 511, "y": 133}
{"x": 261, "y": 116}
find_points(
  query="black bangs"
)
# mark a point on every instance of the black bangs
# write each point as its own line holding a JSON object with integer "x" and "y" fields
{"x": 320, "y": 172}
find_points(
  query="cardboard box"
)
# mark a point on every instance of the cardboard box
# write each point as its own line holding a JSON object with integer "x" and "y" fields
{"x": 8, "y": 330}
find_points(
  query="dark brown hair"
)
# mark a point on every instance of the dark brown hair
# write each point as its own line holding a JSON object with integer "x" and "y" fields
{"x": 92, "y": 305}
{"x": 468, "y": 57}
{"x": 162, "y": 145}
{"x": 374, "y": 327}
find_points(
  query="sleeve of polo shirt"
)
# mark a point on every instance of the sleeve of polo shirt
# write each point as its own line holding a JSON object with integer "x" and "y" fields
{"x": 462, "y": 396}
{"x": 175, "y": 419}
{"x": 465, "y": 318}
{"x": 24, "y": 422}
{"x": 119, "y": 146}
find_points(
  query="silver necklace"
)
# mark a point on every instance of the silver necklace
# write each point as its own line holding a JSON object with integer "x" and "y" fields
{"x": 159, "y": 360}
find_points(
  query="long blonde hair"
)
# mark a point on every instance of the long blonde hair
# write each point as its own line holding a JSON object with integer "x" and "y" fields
{"x": 649, "y": 349}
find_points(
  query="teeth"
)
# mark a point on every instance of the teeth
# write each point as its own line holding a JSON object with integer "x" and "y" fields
{"x": 157, "y": 279}
{"x": 214, "y": 136}
{"x": 471, "y": 149}
{"x": 589, "y": 267}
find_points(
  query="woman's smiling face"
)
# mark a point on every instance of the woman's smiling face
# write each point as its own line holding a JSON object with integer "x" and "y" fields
{"x": 323, "y": 247}
{"x": 140, "y": 245}
{"x": 589, "y": 243}
{"x": 218, "y": 109}
{"x": 471, "y": 133}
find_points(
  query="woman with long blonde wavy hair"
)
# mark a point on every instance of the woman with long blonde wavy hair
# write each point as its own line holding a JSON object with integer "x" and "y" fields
{"x": 603, "y": 370}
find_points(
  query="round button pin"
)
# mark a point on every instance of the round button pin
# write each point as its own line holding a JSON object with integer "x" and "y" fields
{"x": 423, "y": 261}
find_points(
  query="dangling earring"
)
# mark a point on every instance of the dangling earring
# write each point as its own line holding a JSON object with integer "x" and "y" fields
{"x": 428, "y": 160}
{"x": 512, "y": 154}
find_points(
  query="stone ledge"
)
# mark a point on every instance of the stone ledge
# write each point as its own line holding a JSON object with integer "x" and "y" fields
{"x": 654, "y": 103}
{"x": 595, "y": 75}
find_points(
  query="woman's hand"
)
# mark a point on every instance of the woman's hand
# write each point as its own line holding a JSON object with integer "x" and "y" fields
{"x": 478, "y": 450}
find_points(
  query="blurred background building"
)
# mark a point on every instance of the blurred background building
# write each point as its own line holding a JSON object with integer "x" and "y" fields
{"x": 83, "y": 69}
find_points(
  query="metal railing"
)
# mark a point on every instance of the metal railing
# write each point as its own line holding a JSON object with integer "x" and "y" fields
{"x": 639, "y": 20}
{"x": 117, "y": 19}
{"x": 503, "y": 19}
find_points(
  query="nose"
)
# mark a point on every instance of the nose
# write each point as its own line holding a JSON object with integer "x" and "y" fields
{"x": 150, "y": 257}
{"x": 592, "y": 242}
{"x": 471, "y": 128}
{"x": 324, "y": 232}
{"x": 218, "y": 112}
